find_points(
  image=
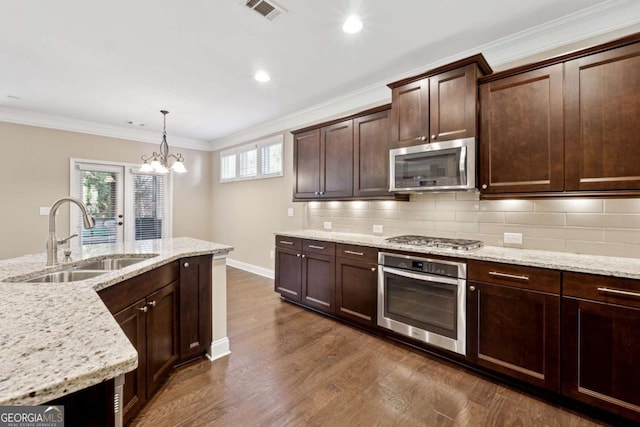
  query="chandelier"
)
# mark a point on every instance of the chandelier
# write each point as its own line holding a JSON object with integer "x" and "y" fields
{"x": 159, "y": 162}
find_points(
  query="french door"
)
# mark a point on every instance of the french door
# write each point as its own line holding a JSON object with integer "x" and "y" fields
{"x": 126, "y": 204}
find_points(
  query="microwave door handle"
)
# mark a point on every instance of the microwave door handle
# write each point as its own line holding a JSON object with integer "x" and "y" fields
{"x": 462, "y": 165}
{"x": 424, "y": 276}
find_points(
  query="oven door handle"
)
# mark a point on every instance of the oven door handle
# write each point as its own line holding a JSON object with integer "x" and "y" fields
{"x": 423, "y": 277}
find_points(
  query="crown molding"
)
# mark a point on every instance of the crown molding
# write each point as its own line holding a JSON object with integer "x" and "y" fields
{"x": 12, "y": 115}
{"x": 597, "y": 20}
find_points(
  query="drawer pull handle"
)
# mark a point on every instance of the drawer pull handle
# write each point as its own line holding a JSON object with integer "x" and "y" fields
{"x": 316, "y": 247}
{"x": 354, "y": 253}
{"x": 509, "y": 276}
{"x": 373, "y": 268}
{"x": 285, "y": 242}
{"x": 619, "y": 292}
{"x": 143, "y": 309}
{"x": 152, "y": 303}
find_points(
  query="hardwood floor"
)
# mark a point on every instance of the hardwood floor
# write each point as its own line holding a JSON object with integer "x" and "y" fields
{"x": 292, "y": 367}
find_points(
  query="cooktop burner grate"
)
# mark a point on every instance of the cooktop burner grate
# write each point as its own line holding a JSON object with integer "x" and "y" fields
{"x": 437, "y": 242}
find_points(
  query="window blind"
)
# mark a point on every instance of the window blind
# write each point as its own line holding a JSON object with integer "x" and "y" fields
{"x": 263, "y": 159}
{"x": 248, "y": 163}
{"x": 98, "y": 190}
{"x": 227, "y": 166}
{"x": 149, "y": 195}
{"x": 271, "y": 159}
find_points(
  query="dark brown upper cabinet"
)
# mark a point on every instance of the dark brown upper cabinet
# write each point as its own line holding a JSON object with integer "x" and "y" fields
{"x": 603, "y": 120}
{"x": 438, "y": 105}
{"x": 566, "y": 126}
{"x": 521, "y": 133}
{"x": 344, "y": 159}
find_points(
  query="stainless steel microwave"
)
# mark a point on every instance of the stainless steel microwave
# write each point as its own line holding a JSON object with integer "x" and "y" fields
{"x": 439, "y": 166}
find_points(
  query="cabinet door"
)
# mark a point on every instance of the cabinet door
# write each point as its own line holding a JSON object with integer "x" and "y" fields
{"x": 521, "y": 133}
{"x": 603, "y": 120}
{"x": 306, "y": 161}
{"x": 453, "y": 104}
{"x": 289, "y": 274}
{"x": 195, "y": 306}
{"x": 515, "y": 332}
{"x": 336, "y": 170}
{"x": 600, "y": 351}
{"x": 356, "y": 291}
{"x": 371, "y": 155}
{"x": 318, "y": 281}
{"x": 132, "y": 320}
{"x": 410, "y": 114}
{"x": 162, "y": 335}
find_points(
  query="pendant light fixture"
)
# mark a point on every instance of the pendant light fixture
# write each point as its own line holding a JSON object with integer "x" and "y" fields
{"x": 159, "y": 162}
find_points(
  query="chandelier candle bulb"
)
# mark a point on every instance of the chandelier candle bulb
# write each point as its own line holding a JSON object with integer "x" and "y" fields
{"x": 159, "y": 162}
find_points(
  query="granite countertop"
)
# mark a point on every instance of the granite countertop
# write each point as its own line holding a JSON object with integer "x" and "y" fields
{"x": 592, "y": 264}
{"x": 58, "y": 338}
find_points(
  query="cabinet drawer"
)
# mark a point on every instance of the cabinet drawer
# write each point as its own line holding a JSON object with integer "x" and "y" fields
{"x": 289, "y": 243}
{"x": 518, "y": 276}
{"x": 602, "y": 288}
{"x": 362, "y": 253}
{"x": 319, "y": 247}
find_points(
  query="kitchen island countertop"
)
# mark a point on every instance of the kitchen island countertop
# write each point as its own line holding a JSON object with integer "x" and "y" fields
{"x": 58, "y": 338}
{"x": 565, "y": 261}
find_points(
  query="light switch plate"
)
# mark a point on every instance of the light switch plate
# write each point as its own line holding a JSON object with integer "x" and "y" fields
{"x": 327, "y": 225}
{"x": 290, "y": 212}
{"x": 513, "y": 238}
{"x": 378, "y": 229}
{"x": 44, "y": 211}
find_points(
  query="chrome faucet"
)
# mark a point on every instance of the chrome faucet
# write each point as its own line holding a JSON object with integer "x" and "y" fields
{"x": 52, "y": 241}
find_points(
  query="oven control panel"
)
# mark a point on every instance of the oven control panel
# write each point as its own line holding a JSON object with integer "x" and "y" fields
{"x": 423, "y": 265}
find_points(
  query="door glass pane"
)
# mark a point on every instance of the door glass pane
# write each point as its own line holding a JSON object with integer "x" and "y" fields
{"x": 149, "y": 206}
{"x": 99, "y": 192}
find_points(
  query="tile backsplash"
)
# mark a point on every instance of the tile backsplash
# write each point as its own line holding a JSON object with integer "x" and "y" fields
{"x": 590, "y": 226}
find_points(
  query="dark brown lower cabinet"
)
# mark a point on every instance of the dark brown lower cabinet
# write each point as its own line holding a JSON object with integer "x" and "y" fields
{"x": 195, "y": 306}
{"x": 288, "y": 280}
{"x": 513, "y": 324}
{"x": 318, "y": 275}
{"x": 357, "y": 284}
{"x": 601, "y": 343}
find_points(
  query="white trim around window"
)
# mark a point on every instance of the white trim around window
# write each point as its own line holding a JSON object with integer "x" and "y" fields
{"x": 256, "y": 160}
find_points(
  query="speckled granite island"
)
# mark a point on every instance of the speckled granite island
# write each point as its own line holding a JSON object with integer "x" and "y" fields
{"x": 579, "y": 263}
{"x": 58, "y": 338}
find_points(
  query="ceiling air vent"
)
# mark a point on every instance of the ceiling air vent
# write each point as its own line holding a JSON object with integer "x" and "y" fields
{"x": 268, "y": 9}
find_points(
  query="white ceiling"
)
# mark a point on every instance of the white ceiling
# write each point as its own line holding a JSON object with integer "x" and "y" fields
{"x": 107, "y": 62}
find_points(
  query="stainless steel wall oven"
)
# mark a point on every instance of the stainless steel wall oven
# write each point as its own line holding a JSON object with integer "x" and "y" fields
{"x": 424, "y": 299}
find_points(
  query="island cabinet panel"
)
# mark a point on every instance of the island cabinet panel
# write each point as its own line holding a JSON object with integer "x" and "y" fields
{"x": 162, "y": 335}
{"x": 521, "y": 133}
{"x": 410, "y": 114}
{"x": 195, "y": 306}
{"x": 132, "y": 320}
{"x": 307, "y": 164}
{"x": 288, "y": 280}
{"x": 336, "y": 160}
{"x": 318, "y": 275}
{"x": 453, "y": 104}
{"x": 603, "y": 120}
{"x": 371, "y": 155}
{"x": 514, "y": 328}
{"x": 357, "y": 283}
{"x": 601, "y": 343}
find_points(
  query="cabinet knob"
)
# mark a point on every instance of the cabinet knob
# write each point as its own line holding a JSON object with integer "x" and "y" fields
{"x": 143, "y": 309}
{"x": 304, "y": 256}
{"x": 434, "y": 136}
{"x": 297, "y": 254}
{"x": 317, "y": 193}
{"x": 321, "y": 193}
{"x": 151, "y": 303}
{"x": 423, "y": 138}
{"x": 186, "y": 265}
{"x": 472, "y": 288}
{"x": 373, "y": 269}
{"x": 484, "y": 186}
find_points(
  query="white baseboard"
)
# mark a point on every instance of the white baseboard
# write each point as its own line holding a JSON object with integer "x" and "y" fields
{"x": 219, "y": 348}
{"x": 261, "y": 271}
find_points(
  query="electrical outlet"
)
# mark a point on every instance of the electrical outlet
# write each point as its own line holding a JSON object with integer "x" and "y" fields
{"x": 327, "y": 225}
{"x": 378, "y": 229}
{"x": 290, "y": 212}
{"x": 271, "y": 254}
{"x": 513, "y": 238}
{"x": 44, "y": 211}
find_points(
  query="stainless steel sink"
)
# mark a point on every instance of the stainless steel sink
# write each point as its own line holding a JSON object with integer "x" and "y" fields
{"x": 64, "y": 276}
{"x": 110, "y": 263}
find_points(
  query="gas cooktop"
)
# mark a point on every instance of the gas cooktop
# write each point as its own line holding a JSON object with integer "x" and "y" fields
{"x": 437, "y": 242}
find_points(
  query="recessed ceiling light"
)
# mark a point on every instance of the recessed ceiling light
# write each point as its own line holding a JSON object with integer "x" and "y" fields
{"x": 352, "y": 25}
{"x": 262, "y": 76}
{"x": 132, "y": 123}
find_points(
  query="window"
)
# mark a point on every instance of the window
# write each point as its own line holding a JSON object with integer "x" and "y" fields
{"x": 125, "y": 206}
{"x": 257, "y": 160}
